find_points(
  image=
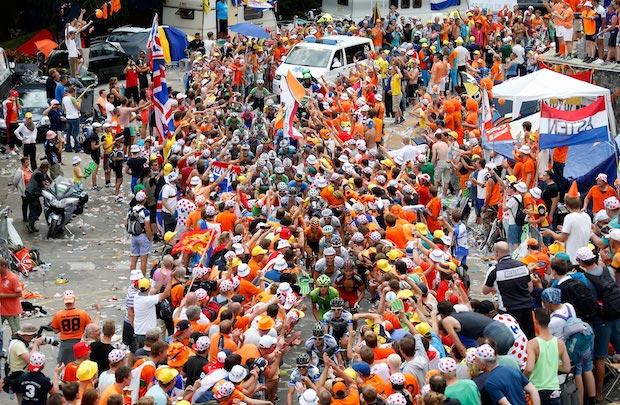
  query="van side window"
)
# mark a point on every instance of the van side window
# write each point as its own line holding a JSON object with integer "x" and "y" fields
{"x": 417, "y": 3}
{"x": 250, "y": 13}
{"x": 343, "y": 2}
{"x": 405, "y": 3}
{"x": 394, "y": 3}
{"x": 356, "y": 51}
{"x": 337, "y": 57}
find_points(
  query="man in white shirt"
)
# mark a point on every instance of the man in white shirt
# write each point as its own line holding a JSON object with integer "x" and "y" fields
{"x": 144, "y": 302}
{"x": 169, "y": 198}
{"x": 519, "y": 51}
{"x": 72, "y": 113}
{"x": 576, "y": 229}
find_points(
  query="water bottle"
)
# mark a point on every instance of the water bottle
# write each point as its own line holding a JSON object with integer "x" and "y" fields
{"x": 11, "y": 393}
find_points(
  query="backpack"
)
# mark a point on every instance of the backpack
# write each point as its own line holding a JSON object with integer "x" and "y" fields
{"x": 135, "y": 223}
{"x": 608, "y": 294}
{"x": 86, "y": 145}
{"x": 212, "y": 309}
{"x": 520, "y": 215}
{"x": 580, "y": 297}
{"x": 578, "y": 336}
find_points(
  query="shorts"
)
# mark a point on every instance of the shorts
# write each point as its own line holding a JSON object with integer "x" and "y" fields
{"x": 560, "y": 32}
{"x": 396, "y": 99}
{"x": 568, "y": 34}
{"x": 106, "y": 162}
{"x": 96, "y": 157}
{"x": 118, "y": 171}
{"x": 153, "y": 213}
{"x": 140, "y": 245}
{"x": 590, "y": 38}
{"x": 514, "y": 234}
{"x": 604, "y": 333}
{"x": 442, "y": 173}
{"x": 613, "y": 39}
{"x": 127, "y": 134}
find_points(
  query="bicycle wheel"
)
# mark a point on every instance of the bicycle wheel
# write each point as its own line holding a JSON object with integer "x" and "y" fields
{"x": 491, "y": 237}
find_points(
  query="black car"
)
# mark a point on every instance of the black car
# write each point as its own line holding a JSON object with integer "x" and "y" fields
{"x": 34, "y": 100}
{"x": 105, "y": 60}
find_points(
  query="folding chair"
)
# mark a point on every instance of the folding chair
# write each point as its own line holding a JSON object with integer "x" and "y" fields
{"x": 614, "y": 370}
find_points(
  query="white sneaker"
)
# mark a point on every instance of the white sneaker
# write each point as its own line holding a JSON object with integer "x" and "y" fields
{"x": 13, "y": 153}
{"x": 598, "y": 61}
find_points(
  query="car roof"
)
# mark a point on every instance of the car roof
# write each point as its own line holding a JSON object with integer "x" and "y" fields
{"x": 337, "y": 41}
{"x": 130, "y": 28}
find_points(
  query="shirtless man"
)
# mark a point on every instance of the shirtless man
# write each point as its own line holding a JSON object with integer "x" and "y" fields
{"x": 439, "y": 160}
{"x": 370, "y": 134}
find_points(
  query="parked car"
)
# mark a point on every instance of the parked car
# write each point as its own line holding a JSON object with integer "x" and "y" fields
{"x": 130, "y": 39}
{"x": 105, "y": 60}
{"x": 33, "y": 100}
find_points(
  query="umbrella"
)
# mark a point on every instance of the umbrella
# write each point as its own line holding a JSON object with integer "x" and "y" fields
{"x": 250, "y": 30}
{"x": 326, "y": 18}
{"x": 46, "y": 46}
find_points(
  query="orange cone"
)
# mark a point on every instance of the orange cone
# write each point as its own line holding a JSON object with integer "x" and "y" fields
{"x": 573, "y": 191}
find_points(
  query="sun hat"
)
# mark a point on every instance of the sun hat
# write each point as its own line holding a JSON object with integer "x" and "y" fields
{"x": 87, "y": 370}
{"x": 396, "y": 399}
{"x": 585, "y": 254}
{"x": 238, "y": 373}
{"x": 521, "y": 187}
{"x": 602, "y": 176}
{"x": 37, "y": 361}
{"x": 308, "y": 397}
{"x": 243, "y": 270}
{"x": 202, "y": 344}
{"x": 116, "y": 355}
{"x": 447, "y": 365}
{"x": 223, "y": 389}
{"x": 266, "y": 342}
{"x": 68, "y": 297}
{"x": 611, "y": 203}
{"x": 50, "y": 135}
{"x": 437, "y": 256}
{"x": 166, "y": 374}
{"x": 525, "y": 149}
{"x": 485, "y": 352}
{"x": 27, "y": 329}
{"x": 536, "y": 192}
{"x": 266, "y": 323}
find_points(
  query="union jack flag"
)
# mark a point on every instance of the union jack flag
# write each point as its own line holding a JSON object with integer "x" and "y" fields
{"x": 161, "y": 102}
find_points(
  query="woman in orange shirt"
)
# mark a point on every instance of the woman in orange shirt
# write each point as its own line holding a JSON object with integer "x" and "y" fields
{"x": 496, "y": 70}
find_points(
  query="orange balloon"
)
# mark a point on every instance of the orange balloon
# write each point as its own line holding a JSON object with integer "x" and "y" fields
{"x": 98, "y": 13}
{"x": 501, "y": 101}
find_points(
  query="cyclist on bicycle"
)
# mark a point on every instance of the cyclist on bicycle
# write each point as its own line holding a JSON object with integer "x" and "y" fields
{"x": 336, "y": 321}
{"x": 350, "y": 285}
{"x": 340, "y": 250}
{"x": 312, "y": 236}
{"x": 320, "y": 343}
{"x": 322, "y": 296}
{"x": 304, "y": 369}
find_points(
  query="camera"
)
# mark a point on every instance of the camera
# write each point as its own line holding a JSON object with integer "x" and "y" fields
{"x": 47, "y": 339}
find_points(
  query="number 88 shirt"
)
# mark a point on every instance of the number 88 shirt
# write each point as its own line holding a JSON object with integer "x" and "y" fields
{"x": 71, "y": 323}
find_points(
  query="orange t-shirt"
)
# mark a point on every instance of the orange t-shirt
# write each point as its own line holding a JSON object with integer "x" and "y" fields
{"x": 376, "y": 381}
{"x": 411, "y": 385}
{"x": 248, "y": 290}
{"x": 496, "y": 70}
{"x": 597, "y": 197}
{"x": 529, "y": 167}
{"x": 226, "y": 220}
{"x": 248, "y": 351}
{"x": 382, "y": 352}
{"x": 110, "y": 390}
{"x": 70, "y": 374}
{"x": 193, "y": 218}
{"x": 71, "y": 323}
{"x": 146, "y": 376}
{"x": 353, "y": 398}
{"x": 228, "y": 343}
{"x": 396, "y": 235}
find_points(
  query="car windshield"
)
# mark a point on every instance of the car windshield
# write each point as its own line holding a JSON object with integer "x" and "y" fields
{"x": 34, "y": 99}
{"x": 309, "y": 56}
{"x": 125, "y": 36}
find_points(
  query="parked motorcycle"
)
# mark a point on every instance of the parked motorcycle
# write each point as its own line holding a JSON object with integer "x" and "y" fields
{"x": 62, "y": 201}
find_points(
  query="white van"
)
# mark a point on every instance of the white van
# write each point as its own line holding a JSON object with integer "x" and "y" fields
{"x": 188, "y": 16}
{"x": 326, "y": 57}
{"x": 360, "y": 9}
{"x": 5, "y": 75}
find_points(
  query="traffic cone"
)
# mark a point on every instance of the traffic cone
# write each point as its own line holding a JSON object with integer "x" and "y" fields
{"x": 573, "y": 191}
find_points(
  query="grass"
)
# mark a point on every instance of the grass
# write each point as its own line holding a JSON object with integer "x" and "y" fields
{"x": 17, "y": 42}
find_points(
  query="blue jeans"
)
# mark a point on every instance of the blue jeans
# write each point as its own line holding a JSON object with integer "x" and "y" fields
{"x": 73, "y": 130}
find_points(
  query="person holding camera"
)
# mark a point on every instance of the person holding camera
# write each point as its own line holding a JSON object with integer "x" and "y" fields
{"x": 19, "y": 355}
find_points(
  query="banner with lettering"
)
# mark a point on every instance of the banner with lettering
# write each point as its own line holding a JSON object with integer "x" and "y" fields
{"x": 583, "y": 126}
